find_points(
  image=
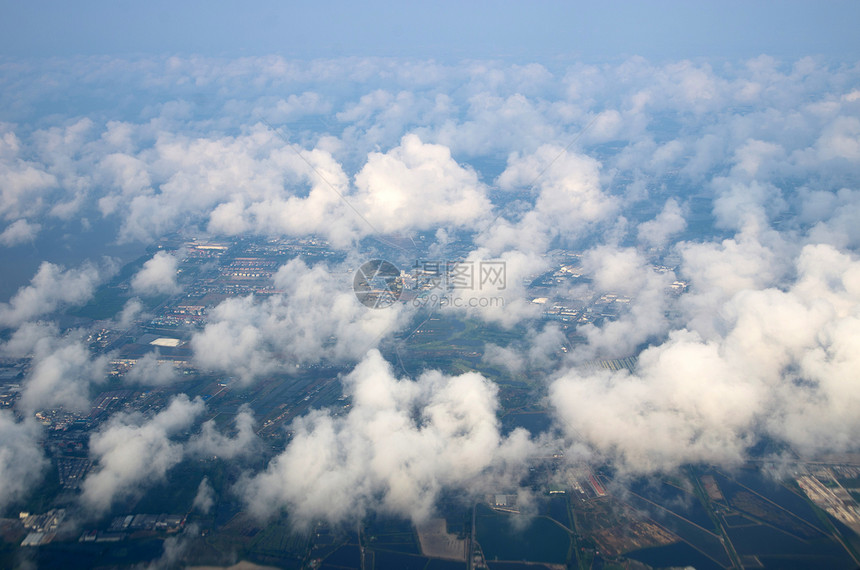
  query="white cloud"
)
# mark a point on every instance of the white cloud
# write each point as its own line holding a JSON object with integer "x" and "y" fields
{"x": 22, "y": 461}
{"x": 419, "y": 186}
{"x": 132, "y": 452}
{"x": 626, "y": 273}
{"x": 781, "y": 368}
{"x": 509, "y": 358}
{"x": 61, "y": 369}
{"x": 686, "y": 405}
{"x": 19, "y": 231}
{"x": 315, "y": 317}
{"x": 130, "y": 311}
{"x": 157, "y": 276}
{"x": 841, "y": 140}
{"x": 399, "y": 446}
{"x": 569, "y": 201}
{"x": 210, "y": 442}
{"x": 205, "y": 497}
{"x": 150, "y": 370}
{"x": 769, "y": 147}
{"x": 24, "y": 184}
{"x": 51, "y": 287}
{"x": 717, "y": 271}
{"x": 669, "y": 222}
{"x": 496, "y": 291}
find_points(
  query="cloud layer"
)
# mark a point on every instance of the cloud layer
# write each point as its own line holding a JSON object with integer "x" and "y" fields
{"x": 716, "y": 204}
{"x": 779, "y": 370}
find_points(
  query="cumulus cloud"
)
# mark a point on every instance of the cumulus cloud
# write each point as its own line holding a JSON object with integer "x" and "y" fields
{"x": 150, "y": 370}
{"x": 157, "y": 276}
{"x": 51, "y": 287}
{"x": 668, "y": 223}
{"x": 418, "y": 186}
{"x": 625, "y": 272}
{"x": 205, "y": 497}
{"x": 569, "y": 201}
{"x": 538, "y": 350}
{"x": 684, "y": 405}
{"x": 62, "y": 368}
{"x": 24, "y": 184}
{"x": 780, "y": 369}
{"x": 509, "y": 358}
{"x": 316, "y": 316}
{"x": 496, "y": 292}
{"x": 19, "y": 231}
{"x": 130, "y": 311}
{"x": 716, "y": 271}
{"x": 177, "y": 549}
{"x": 61, "y": 376}
{"x": 180, "y": 167}
{"x": 401, "y": 443}
{"x": 22, "y": 461}
{"x": 211, "y": 442}
{"x": 325, "y": 209}
{"x": 832, "y": 216}
{"x": 132, "y": 452}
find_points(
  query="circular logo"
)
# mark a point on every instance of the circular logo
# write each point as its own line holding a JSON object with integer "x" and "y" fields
{"x": 377, "y": 284}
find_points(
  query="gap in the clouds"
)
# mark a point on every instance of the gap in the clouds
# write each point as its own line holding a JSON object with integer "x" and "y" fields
{"x": 68, "y": 244}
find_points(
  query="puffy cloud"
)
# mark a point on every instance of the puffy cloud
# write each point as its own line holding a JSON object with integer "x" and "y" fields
{"x": 780, "y": 369}
{"x": 51, "y": 287}
{"x": 496, "y": 291}
{"x": 669, "y": 222}
{"x": 841, "y": 140}
{"x": 626, "y": 273}
{"x": 507, "y": 357}
{"x": 62, "y": 368}
{"x": 419, "y": 186}
{"x": 255, "y": 181}
{"x": 401, "y": 443}
{"x": 27, "y": 337}
{"x": 177, "y": 549}
{"x": 132, "y": 452}
{"x": 497, "y": 122}
{"x": 127, "y": 173}
{"x": 569, "y": 201}
{"x": 205, "y": 497}
{"x": 833, "y": 216}
{"x": 740, "y": 204}
{"x": 315, "y": 317}
{"x": 22, "y": 461}
{"x": 211, "y": 442}
{"x": 157, "y": 276}
{"x": 130, "y": 311}
{"x": 326, "y": 209}
{"x": 716, "y": 271}
{"x": 24, "y": 184}
{"x": 177, "y": 164}
{"x": 61, "y": 376}
{"x": 19, "y": 231}
{"x": 150, "y": 370}
{"x": 684, "y": 405}
{"x": 539, "y": 349}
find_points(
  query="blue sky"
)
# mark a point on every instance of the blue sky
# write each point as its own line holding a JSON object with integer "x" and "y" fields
{"x": 660, "y": 30}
